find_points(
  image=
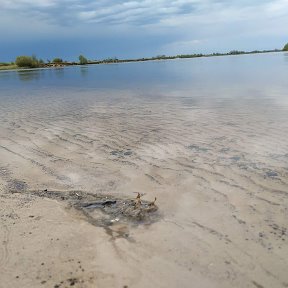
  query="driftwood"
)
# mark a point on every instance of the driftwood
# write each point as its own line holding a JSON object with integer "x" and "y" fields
{"x": 111, "y": 208}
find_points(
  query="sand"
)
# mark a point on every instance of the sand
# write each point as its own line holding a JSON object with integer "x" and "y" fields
{"x": 218, "y": 170}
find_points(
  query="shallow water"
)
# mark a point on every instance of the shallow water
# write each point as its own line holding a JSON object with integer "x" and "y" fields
{"x": 229, "y": 111}
{"x": 190, "y": 102}
{"x": 136, "y": 112}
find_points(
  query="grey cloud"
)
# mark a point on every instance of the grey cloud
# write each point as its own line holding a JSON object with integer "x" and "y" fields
{"x": 123, "y": 11}
{"x": 76, "y": 12}
{"x": 178, "y": 23}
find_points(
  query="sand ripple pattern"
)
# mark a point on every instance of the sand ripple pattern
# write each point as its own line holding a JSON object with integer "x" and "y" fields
{"x": 227, "y": 158}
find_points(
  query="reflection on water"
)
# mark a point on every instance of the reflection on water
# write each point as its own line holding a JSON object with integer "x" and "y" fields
{"x": 285, "y": 56}
{"x": 84, "y": 71}
{"x": 29, "y": 75}
{"x": 215, "y": 82}
{"x": 210, "y": 74}
{"x": 59, "y": 72}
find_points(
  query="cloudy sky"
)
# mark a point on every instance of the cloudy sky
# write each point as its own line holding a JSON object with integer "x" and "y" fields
{"x": 138, "y": 28}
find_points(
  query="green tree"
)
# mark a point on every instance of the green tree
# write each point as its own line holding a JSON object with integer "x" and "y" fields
{"x": 83, "y": 60}
{"x": 285, "y": 48}
{"x": 27, "y": 61}
{"x": 57, "y": 60}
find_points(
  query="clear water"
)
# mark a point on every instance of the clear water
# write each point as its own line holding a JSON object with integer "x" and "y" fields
{"x": 208, "y": 137}
{"x": 189, "y": 102}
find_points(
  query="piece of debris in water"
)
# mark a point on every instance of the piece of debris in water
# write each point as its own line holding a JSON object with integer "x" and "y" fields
{"x": 111, "y": 209}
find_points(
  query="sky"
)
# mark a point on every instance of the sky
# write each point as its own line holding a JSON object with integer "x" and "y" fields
{"x": 99, "y": 29}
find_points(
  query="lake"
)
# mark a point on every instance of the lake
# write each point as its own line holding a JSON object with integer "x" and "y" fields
{"x": 206, "y": 136}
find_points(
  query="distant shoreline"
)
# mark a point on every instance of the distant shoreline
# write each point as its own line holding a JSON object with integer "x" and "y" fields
{"x": 8, "y": 67}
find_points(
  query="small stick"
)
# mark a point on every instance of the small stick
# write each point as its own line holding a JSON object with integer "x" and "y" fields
{"x": 153, "y": 203}
{"x": 138, "y": 199}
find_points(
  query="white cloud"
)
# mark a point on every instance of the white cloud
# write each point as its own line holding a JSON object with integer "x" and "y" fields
{"x": 277, "y": 8}
{"x": 16, "y": 4}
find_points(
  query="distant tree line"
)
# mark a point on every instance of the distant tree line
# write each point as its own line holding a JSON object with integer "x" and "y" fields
{"x": 34, "y": 62}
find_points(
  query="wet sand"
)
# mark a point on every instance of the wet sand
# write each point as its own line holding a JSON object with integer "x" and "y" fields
{"x": 218, "y": 170}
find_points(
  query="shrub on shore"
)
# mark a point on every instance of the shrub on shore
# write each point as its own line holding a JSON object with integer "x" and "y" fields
{"x": 57, "y": 60}
{"x": 82, "y": 60}
{"x": 27, "y": 61}
{"x": 285, "y": 48}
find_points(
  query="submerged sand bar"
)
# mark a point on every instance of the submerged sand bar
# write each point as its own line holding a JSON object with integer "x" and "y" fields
{"x": 214, "y": 155}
